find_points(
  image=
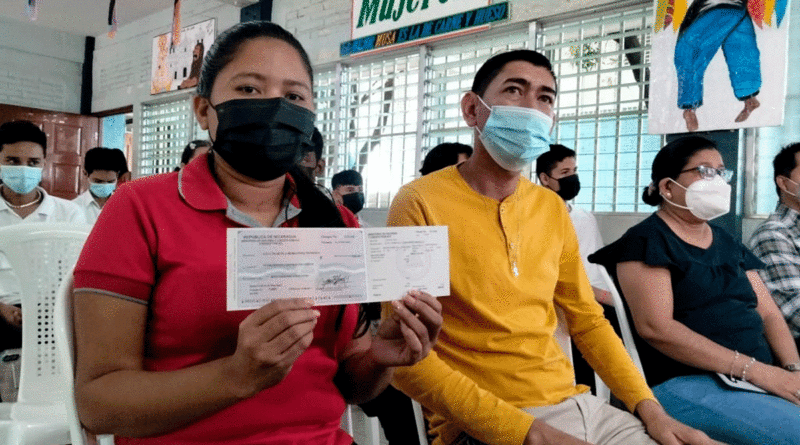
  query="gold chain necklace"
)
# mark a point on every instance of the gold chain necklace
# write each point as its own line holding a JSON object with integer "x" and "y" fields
{"x": 14, "y": 206}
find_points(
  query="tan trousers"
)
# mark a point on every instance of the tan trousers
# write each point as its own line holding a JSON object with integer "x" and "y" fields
{"x": 589, "y": 418}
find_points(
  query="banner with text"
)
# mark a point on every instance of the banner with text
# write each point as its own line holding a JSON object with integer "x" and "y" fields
{"x": 426, "y": 30}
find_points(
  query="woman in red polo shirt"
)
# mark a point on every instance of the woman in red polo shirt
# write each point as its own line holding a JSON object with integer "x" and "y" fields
{"x": 159, "y": 358}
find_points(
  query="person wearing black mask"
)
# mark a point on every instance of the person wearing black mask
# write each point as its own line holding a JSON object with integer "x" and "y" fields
{"x": 153, "y": 337}
{"x": 557, "y": 170}
{"x": 348, "y": 190}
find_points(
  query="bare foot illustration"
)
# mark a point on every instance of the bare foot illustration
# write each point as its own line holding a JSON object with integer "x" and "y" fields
{"x": 691, "y": 119}
{"x": 750, "y": 104}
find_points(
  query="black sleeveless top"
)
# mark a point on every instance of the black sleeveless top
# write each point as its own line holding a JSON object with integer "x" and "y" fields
{"x": 711, "y": 293}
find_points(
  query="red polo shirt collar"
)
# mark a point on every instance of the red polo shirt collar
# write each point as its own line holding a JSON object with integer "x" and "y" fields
{"x": 197, "y": 186}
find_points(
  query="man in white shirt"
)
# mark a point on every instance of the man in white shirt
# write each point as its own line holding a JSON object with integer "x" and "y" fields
{"x": 22, "y": 156}
{"x": 557, "y": 170}
{"x": 101, "y": 167}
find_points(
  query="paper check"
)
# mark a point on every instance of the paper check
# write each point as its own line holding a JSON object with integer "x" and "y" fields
{"x": 335, "y": 266}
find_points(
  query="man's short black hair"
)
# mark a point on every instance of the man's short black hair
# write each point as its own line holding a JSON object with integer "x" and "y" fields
{"x": 346, "y": 177}
{"x": 102, "y": 158}
{"x": 492, "y": 67}
{"x": 443, "y": 155}
{"x": 784, "y": 162}
{"x": 22, "y": 131}
{"x": 547, "y": 161}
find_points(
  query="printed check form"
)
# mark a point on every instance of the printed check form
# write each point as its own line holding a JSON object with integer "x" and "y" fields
{"x": 335, "y": 265}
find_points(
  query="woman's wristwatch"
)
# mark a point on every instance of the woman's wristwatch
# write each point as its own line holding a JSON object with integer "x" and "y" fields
{"x": 792, "y": 366}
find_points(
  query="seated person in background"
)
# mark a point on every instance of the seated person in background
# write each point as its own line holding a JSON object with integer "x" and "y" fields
{"x": 348, "y": 190}
{"x": 497, "y": 374}
{"x": 557, "y": 170}
{"x": 311, "y": 161}
{"x": 697, "y": 301}
{"x": 192, "y": 150}
{"x": 392, "y": 407}
{"x": 122, "y": 167}
{"x": 101, "y": 168}
{"x": 777, "y": 240}
{"x": 159, "y": 358}
{"x": 23, "y": 147}
{"x": 445, "y": 155}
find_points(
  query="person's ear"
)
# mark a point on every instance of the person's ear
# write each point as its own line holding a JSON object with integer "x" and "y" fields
{"x": 543, "y": 178}
{"x": 665, "y": 188}
{"x": 781, "y": 182}
{"x": 469, "y": 108}
{"x": 201, "y": 106}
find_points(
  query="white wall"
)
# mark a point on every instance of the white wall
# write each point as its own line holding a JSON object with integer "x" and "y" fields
{"x": 121, "y": 75}
{"x": 41, "y": 68}
{"x": 322, "y": 25}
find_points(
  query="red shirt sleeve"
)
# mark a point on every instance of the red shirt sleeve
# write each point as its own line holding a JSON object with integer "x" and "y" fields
{"x": 348, "y": 217}
{"x": 118, "y": 256}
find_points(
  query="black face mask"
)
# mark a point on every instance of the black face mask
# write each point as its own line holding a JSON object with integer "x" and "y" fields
{"x": 568, "y": 187}
{"x": 353, "y": 201}
{"x": 262, "y": 138}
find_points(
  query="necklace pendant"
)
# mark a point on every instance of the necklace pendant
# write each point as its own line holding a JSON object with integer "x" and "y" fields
{"x": 515, "y": 270}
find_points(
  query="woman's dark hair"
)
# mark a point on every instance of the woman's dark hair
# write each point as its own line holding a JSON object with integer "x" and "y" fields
{"x": 443, "y": 155}
{"x": 227, "y": 45}
{"x": 191, "y": 147}
{"x": 317, "y": 209}
{"x": 670, "y": 162}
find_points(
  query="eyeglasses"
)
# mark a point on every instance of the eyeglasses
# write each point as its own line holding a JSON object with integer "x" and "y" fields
{"x": 707, "y": 172}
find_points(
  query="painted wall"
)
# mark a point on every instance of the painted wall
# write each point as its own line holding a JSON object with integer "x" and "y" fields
{"x": 121, "y": 75}
{"x": 322, "y": 25}
{"x": 41, "y": 67}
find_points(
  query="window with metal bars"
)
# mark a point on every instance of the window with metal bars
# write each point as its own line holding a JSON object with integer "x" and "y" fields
{"x": 602, "y": 66}
{"x": 449, "y": 71}
{"x": 166, "y": 128}
{"x": 369, "y": 119}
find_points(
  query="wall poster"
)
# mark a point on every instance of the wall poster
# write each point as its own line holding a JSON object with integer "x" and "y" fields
{"x": 178, "y": 67}
{"x": 717, "y": 64}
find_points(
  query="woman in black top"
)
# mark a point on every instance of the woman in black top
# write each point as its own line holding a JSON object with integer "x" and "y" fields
{"x": 700, "y": 307}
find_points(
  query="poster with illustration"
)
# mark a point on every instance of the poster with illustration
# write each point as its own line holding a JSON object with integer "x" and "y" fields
{"x": 178, "y": 66}
{"x": 717, "y": 64}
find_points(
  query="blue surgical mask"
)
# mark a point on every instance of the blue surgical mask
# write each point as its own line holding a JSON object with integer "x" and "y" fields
{"x": 21, "y": 178}
{"x": 102, "y": 190}
{"x": 515, "y": 136}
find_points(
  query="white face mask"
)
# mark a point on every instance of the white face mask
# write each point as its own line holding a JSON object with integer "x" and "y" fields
{"x": 707, "y": 198}
{"x": 787, "y": 190}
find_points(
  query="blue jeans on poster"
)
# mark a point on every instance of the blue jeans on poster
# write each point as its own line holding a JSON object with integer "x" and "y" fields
{"x": 734, "y": 416}
{"x": 732, "y": 30}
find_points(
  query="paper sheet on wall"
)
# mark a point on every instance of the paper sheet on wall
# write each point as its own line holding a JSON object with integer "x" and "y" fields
{"x": 335, "y": 266}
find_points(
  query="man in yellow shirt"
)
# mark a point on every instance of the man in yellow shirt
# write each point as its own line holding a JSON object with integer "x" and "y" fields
{"x": 497, "y": 375}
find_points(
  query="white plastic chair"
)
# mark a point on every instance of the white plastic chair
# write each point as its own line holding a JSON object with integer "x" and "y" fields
{"x": 625, "y": 329}
{"x": 41, "y": 255}
{"x": 65, "y": 343}
{"x": 372, "y": 427}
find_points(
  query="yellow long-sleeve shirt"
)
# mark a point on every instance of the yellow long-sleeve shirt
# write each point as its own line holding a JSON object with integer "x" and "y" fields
{"x": 511, "y": 263}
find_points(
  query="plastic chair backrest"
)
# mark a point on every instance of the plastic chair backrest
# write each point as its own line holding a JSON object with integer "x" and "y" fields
{"x": 562, "y": 334}
{"x": 41, "y": 255}
{"x": 66, "y": 351}
{"x": 624, "y": 325}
